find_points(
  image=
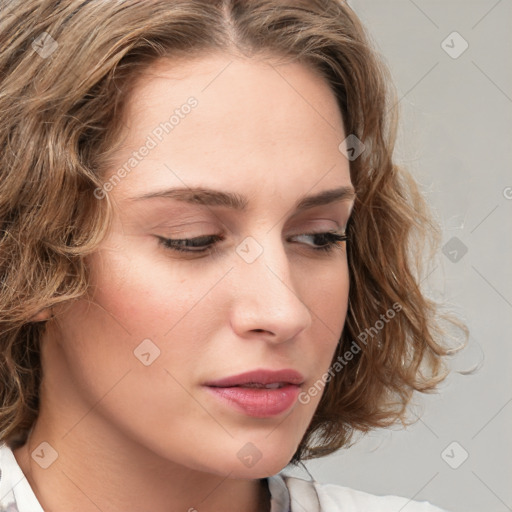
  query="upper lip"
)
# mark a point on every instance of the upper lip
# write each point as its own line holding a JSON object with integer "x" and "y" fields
{"x": 260, "y": 376}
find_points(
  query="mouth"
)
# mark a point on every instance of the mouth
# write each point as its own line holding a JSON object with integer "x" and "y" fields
{"x": 260, "y": 377}
{"x": 259, "y": 385}
{"x": 256, "y": 385}
{"x": 259, "y": 393}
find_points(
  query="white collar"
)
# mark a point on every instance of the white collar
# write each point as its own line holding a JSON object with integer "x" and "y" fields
{"x": 292, "y": 494}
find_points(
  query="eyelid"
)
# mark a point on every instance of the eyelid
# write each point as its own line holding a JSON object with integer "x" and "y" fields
{"x": 318, "y": 230}
{"x": 321, "y": 218}
{"x": 185, "y": 247}
{"x": 188, "y": 215}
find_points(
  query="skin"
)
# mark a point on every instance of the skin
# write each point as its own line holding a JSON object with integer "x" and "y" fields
{"x": 136, "y": 437}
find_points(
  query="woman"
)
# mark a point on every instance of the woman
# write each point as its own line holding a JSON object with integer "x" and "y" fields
{"x": 209, "y": 260}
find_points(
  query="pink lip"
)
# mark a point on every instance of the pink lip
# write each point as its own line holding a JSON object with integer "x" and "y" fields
{"x": 260, "y": 377}
{"x": 258, "y": 402}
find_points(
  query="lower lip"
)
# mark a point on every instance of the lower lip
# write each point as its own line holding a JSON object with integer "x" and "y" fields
{"x": 258, "y": 402}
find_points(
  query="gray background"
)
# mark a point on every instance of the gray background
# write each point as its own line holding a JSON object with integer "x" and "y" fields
{"x": 455, "y": 136}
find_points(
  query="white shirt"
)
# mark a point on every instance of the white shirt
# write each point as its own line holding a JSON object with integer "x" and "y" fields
{"x": 288, "y": 494}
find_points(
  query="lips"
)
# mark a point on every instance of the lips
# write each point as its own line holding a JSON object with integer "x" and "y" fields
{"x": 260, "y": 378}
{"x": 259, "y": 393}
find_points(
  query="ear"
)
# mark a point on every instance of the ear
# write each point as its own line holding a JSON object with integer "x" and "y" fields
{"x": 42, "y": 316}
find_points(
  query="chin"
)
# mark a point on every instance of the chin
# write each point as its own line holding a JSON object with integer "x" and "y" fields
{"x": 262, "y": 469}
{"x": 253, "y": 463}
{"x": 247, "y": 462}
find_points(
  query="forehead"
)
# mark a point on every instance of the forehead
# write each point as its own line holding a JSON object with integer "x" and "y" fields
{"x": 251, "y": 118}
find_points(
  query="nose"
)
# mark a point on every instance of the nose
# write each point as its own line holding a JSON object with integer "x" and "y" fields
{"x": 267, "y": 304}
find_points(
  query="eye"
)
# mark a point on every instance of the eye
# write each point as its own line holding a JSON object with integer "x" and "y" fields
{"x": 198, "y": 244}
{"x": 330, "y": 240}
{"x": 326, "y": 242}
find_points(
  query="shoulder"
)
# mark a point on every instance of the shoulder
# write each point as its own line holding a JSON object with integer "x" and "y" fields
{"x": 317, "y": 497}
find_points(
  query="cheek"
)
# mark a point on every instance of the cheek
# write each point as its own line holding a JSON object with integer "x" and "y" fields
{"x": 144, "y": 296}
{"x": 129, "y": 308}
{"x": 328, "y": 302}
{"x": 328, "y": 309}
{"x": 141, "y": 308}
{"x": 118, "y": 358}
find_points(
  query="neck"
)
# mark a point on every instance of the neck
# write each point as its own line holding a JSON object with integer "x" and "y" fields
{"x": 87, "y": 473}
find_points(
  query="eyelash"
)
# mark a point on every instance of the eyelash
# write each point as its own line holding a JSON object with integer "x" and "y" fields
{"x": 333, "y": 242}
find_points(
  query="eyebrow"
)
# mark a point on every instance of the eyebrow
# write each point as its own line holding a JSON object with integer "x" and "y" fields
{"x": 210, "y": 197}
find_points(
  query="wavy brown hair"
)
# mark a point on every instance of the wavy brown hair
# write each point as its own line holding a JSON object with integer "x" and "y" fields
{"x": 60, "y": 119}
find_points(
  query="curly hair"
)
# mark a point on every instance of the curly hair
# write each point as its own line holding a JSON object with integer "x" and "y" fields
{"x": 61, "y": 114}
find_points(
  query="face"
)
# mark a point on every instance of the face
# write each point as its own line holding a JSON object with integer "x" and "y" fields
{"x": 189, "y": 289}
